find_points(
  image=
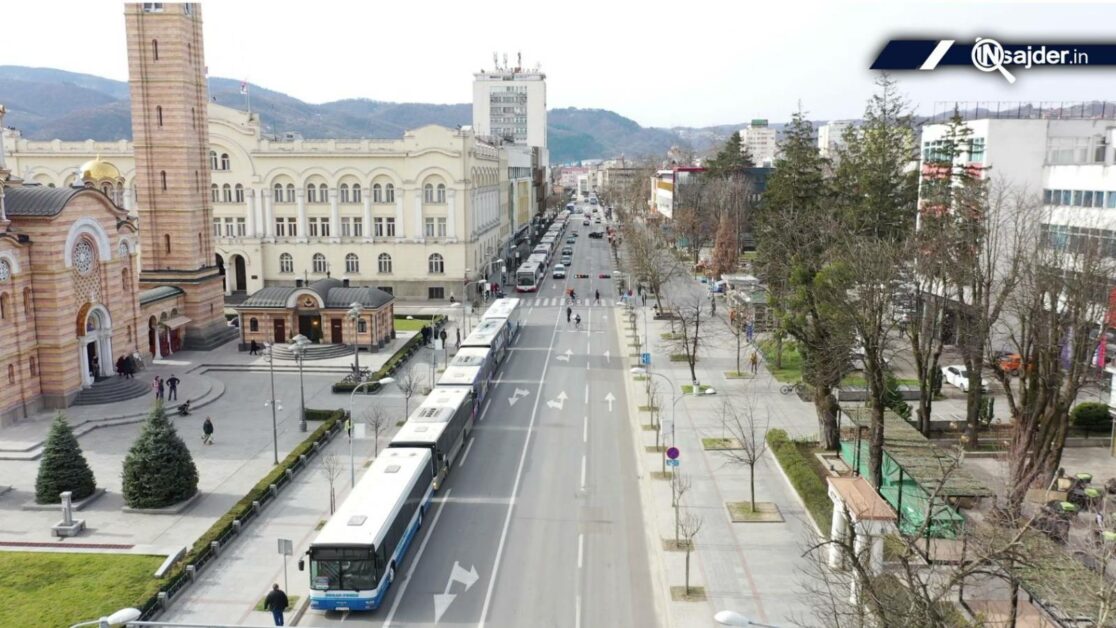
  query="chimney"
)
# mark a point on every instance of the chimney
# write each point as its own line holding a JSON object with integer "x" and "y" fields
{"x": 298, "y": 283}
{"x": 345, "y": 282}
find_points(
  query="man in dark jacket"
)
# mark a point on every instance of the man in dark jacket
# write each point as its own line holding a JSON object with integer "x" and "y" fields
{"x": 276, "y": 602}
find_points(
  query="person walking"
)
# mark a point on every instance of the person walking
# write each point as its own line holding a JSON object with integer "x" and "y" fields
{"x": 120, "y": 366}
{"x": 644, "y": 297}
{"x": 207, "y": 431}
{"x": 157, "y": 387}
{"x": 569, "y": 314}
{"x": 129, "y": 367}
{"x": 172, "y": 385}
{"x": 444, "y": 335}
{"x": 253, "y": 348}
{"x": 95, "y": 367}
{"x": 597, "y": 297}
{"x": 276, "y": 602}
{"x": 753, "y": 362}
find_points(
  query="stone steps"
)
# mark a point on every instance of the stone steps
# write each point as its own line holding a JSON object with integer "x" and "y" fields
{"x": 313, "y": 352}
{"x": 112, "y": 390}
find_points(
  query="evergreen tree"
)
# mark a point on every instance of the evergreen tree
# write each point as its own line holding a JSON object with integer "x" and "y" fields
{"x": 63, "y": 467}
{"x": 732, "y": 159}
{"x": 158, "y": 470}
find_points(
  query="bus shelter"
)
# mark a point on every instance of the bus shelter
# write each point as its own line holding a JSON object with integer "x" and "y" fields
{"x": 920, "y": 480}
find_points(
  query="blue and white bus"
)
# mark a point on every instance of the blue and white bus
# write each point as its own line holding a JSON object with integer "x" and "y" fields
{"x": 356, "y": 555}
{"x": 441, "y": 424}
{"x": 529, "y": 275}
{"x": 473, "y": 369}
{"x": 492, "y": 334}
{"x": 506, "y": 309}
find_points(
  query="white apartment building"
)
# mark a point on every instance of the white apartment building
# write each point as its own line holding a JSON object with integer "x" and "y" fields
{"x": 830, "y": 137}
{"x": 422, "y": 216}
{"x": 761, "y": 141}
{"x": 510, "y": 103}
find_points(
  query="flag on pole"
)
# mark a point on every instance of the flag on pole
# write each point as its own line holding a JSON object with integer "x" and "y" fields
{"x": 244, "y": 87}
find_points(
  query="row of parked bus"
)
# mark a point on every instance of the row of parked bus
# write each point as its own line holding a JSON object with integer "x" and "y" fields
{"x": 355, "y": 558}
{"x": 529, "y": 275}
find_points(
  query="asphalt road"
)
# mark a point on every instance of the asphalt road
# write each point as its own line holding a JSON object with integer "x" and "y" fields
{"x": 539, "y": 523}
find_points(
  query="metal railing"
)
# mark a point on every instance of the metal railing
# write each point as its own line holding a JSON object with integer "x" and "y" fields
{"x": 1009, "y": 110}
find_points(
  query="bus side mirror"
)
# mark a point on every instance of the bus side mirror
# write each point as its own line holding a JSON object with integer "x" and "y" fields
{"x": 301, "y": 564}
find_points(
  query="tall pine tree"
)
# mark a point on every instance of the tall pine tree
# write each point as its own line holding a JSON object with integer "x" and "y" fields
{"x": 731, "y": 160}
{"x": 63, "y": 466}
{"x": 158, "y": 471}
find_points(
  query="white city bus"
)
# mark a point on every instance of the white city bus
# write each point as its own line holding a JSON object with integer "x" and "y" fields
{"x": 472, "y": 368}
{"x": 506, "y": 309}
{"x": 492, "y": 334}
{"x": 355, "y": 557}
{"x": 441, "y": 424}
{"x": 529, "y": 275}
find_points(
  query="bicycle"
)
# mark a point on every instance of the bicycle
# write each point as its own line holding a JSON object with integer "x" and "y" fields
{"x": 798, "y": 388}
{"x": 577, "y": 323}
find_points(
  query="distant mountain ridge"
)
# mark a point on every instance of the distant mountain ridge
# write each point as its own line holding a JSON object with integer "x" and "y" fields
{"x": 46, "y": 103}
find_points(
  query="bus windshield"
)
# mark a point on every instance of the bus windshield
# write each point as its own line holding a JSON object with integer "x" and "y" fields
{"x": 342, "y": 569}
{"x": 525, "y": 279}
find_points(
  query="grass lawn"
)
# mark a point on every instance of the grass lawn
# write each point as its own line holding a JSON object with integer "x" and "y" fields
{"x": 792, "y": 361}
{"x": 402, "y": 324}
{"x": 717, "y": 444}
{"x": 48, "y": 589}
{"x": 292, "y": 603}
{"x": 858, "y": 380}
{"x": 765, "y": 512}
{"x": 688, "y": 389}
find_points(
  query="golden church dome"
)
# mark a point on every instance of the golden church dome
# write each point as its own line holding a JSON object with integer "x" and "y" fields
{"x": 98, "y": 170}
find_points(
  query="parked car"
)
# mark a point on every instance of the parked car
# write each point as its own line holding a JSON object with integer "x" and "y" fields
{"x": 559, "y": 271}
{"x": 1010, "y": 363}
{"x": 597, "y": 235}
{"x": 585, "y": 223}
{"x": 567, "y": 250}
{"x": 956, "y": 375}
{"x": 571, "y": 239}
{"x": 567, "y": 259}
{"x": 597, "y": 220}
{"x": 856, "y": 360}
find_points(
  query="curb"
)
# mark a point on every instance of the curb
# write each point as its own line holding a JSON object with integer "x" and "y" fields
{"x": 300, "y": 611}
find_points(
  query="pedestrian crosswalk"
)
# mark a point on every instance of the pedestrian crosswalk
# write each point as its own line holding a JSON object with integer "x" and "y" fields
{"x": 563, "y": 301}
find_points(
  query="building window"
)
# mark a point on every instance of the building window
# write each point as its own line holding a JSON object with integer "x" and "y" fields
{"x": 344, "y": 192}
{"x": 224, "y": 161}
{"x": 11, "y": 374}
{"x": 241, "y": 227}
{"x": 280, "y": 228}
{"x": 313, "y": 226}
{"x": 212, "y": 160}
{"x": 214, "y": 193}
{"x": 325, "y": 227}
{"x": 4, "y": 301}
{"x": 155, "y": 49}
{"x": 292, "y": 227}
{"x": 27, "y": 300}
{"x": 1112, "y": 200}
{"x": 163, "y": 179}
{"x": 389, "y": 227}
{"x": 319, "y": 263}
{"x": 166, "y": 243}
{"x": 159, "y": 114}
{"x": 352, "y": 263}
{"x": 1047, "y": 196}
{"x": 388, "y": 289}
{"x": 238, "y": 193}
{"x": 378, "y": 227}
{"x": 428, "y": 227}
{"x": 436, "y": 265}
{"x": 216, "y": 227}
{"x": 1076, "y": 198}
{"x": 290, "y": 192}
{"x": 362, "y": 326}
{"x": 346, "y": 226}
{"x": 226, "y": 193}
{"x": 1098, "y": 199}
{"x": 377, "y": 193}
{"x": 436, "y": 293}
{"x": 34, "y": 368}
{"x": 229, "y": 227}
{"x": 277, "y": 192}
{"x": 441, "y": 198}
{"x": 286, "y": 263}
{"x": 125, "y": 282}
{"x": 358, "y": 227}
{"x": 389, "y": 193}
{"x": 253, "y": 324}
{"x": 356, "y": 193}
{"x": 152, "y": 7}
{"x": 441, "y": 227}
{"x": 428, "y": 193}
{"x": 1088, "y": 202}
{"x": 384, "y": 263}
{"x": 311, "y": 193}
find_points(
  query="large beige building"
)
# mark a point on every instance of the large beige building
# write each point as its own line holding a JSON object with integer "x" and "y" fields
{"x": 422, "y": 217}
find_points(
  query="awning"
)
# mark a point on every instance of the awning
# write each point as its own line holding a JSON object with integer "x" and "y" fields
{"x": 175, "y": 323}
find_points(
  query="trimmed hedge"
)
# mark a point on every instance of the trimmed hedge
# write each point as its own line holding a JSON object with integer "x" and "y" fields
{"x": 1091, "y": 416}
{"x": 222, "y": 526}
{"x": 814, "y": 492}
{"x": 402, "y": 355}
{"x": 320, "y": 415}
{"x": 437, "y": 318}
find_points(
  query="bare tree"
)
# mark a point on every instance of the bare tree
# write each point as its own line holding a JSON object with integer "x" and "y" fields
{"x": 409, "y": 384}
{"x": 679, "y": 485}
{"x": 331, "y": 467}
{"x": 376, "y": 418}
{"x": 648, "y": 259}
{"x": 740, "y": 420}
{"x": 687, "y": 341}
{"x": 690, "y": 526}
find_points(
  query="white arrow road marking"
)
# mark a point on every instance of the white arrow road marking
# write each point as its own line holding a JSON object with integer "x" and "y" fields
{"x": 519, "y": 394}
{"x": 608, "y": 360}
{"x": 442, "y": 601}
{"x": 411, "y": 571}
{"x": 560, "y": 403}
{"x": 609, "y": 398}
{"x": 564, "y": 357}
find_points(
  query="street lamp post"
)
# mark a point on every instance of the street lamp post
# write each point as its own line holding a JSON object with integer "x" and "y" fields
{"x": 352, "y": 396}
{"x": 273, "y": 403}
{"x": 298, "y": 345}
{"x": 732, "y": 618}
{"x": 638, "y": 370}
{"x": 355, "y": 310}
{"x": 121, "y": 616}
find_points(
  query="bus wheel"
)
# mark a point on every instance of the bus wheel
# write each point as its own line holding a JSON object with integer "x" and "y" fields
{"x": 391, "y": 573}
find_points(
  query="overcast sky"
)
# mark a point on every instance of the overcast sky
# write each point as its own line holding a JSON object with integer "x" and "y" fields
{"x": 694, "y": 63}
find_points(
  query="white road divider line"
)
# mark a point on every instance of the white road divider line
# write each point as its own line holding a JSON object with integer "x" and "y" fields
{"x": 465, "y": 455}
{"x": 415, "y": 563}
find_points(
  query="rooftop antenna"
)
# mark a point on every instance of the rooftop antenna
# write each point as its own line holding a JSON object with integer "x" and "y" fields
{"x": 518, "y": 60}
{"x": 505, "y": 60}
{"x": 495, "y": 61}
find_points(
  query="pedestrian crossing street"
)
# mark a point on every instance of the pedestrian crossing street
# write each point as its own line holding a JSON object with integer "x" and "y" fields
{"x": 563, "y": 301}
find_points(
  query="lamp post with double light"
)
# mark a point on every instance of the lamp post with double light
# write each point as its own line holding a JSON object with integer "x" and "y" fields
{"x": 732, "y": 618}
{"x": 298, "y": 346}
{"x": 121, "y": 616}
{"x": 639, "y": 370}
{"x": 354, "y": 313}
{"x": 352, "y": 397}
{"x": 275, "y": 405}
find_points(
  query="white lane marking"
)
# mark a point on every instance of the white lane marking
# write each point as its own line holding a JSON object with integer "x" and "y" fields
{"x": 515, "y": 486}
{"x": 415, "y": 562}
{"x": 485, "y": 410}
{"x": 580, "y": 549}
{"x": 585, "y": 430}
{"x": 465, "y": 455}
{"x": 586, "y": 392}
{"x": 577, "y": 609}
{"x": 583, "y": 472}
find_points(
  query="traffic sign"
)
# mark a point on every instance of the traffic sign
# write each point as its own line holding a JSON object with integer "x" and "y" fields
{"x": 645, "y": 359}
{"x": 672, "y": 453}
{"x": 672, "y": 463}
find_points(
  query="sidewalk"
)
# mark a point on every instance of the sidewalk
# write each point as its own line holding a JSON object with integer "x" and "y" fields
{"x": 751, "y": 568}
